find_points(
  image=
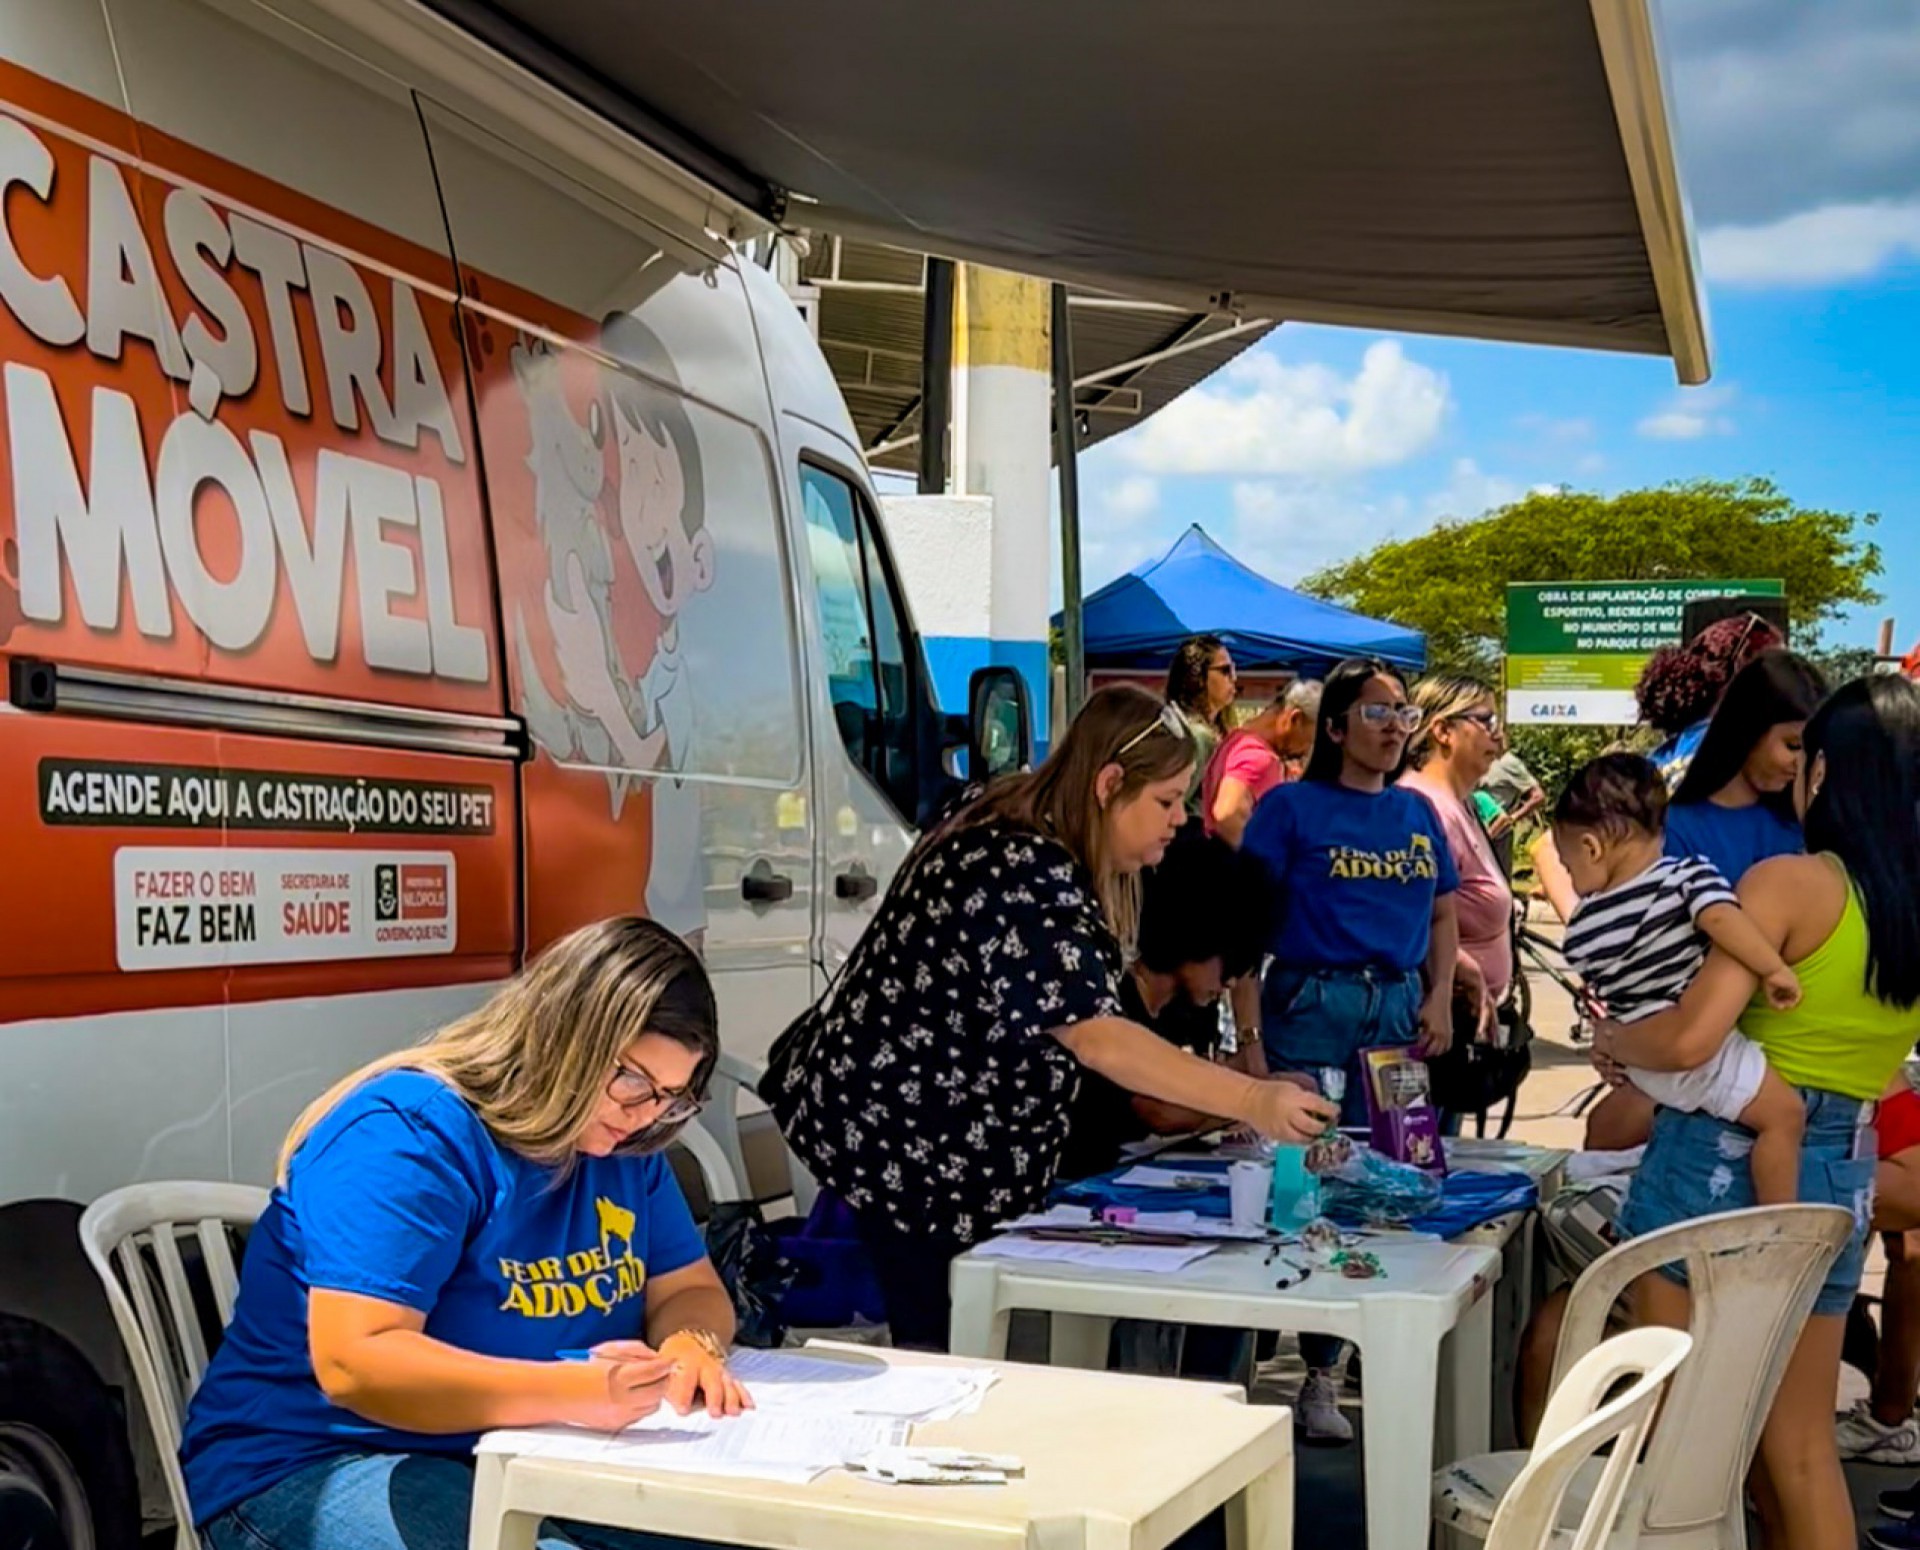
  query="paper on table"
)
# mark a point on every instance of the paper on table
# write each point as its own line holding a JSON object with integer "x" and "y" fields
{"x": 1098, "y": 1256}
{"x": 1190, "y": 1223}
{"x": 1148, "y": 1176}
{"x": 785, "y": 1446}
{"x": 792, "y": 1383}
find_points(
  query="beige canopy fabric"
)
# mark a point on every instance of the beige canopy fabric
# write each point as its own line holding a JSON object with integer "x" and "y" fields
{"x": 1496, "y": 168}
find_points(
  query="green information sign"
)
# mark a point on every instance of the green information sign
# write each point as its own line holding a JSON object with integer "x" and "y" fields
{"x": 1575, "y": 649}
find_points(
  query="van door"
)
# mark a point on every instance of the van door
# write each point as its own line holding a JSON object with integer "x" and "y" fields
{"x": 869, "y": 742}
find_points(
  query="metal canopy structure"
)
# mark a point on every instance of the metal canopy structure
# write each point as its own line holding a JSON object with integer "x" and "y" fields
{"x": 1130, "y": 357}
{"x": 1495, "y": 168}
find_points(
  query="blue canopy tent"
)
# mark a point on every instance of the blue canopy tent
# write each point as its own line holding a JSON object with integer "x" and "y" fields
{"x": 1196, "y": 587}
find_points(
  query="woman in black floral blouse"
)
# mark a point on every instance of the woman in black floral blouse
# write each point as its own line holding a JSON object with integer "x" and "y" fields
{"x": 931, "y": 1087}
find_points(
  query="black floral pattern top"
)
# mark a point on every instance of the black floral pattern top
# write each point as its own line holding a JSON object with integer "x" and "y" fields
{"x": 926, "y": 1087}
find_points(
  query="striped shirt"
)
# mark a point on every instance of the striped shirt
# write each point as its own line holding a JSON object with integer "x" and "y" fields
{"x": 1638, "y": 946}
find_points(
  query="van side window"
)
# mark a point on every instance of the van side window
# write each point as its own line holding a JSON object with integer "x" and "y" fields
{"x": 867, "y": 664}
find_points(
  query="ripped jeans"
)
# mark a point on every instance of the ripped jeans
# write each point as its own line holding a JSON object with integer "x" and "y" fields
{"x": 1696, "y": 1166}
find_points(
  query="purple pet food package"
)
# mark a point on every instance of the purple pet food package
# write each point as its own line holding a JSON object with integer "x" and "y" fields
{"x": 1404, "y": 1123}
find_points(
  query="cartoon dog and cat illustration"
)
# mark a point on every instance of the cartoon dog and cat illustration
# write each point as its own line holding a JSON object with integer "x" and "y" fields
{"x": 620, "y": 504}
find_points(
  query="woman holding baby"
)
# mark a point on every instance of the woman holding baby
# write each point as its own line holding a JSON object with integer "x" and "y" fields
{"x": 1845, "y": 916}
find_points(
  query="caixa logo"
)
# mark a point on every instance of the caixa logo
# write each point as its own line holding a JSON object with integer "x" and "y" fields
{"x": 1547, "y": 710}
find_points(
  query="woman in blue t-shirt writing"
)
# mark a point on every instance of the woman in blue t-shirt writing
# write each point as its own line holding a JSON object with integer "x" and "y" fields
{"x": 1364, "y": 938}
{"x": 449, "y": 1221}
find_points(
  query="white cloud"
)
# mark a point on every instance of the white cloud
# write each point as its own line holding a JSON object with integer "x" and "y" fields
{"x": 1263, "y": 416}
{"x": 1547, "y": 428}
{"x": 1470, "y": 493}
{"x": 1692, "y": 413}
{"x": 1828, "y": 245}
{"x": 1131, "y": 500}
{"x": 1784, "y": 105}
{"x": 1592, "y": 463}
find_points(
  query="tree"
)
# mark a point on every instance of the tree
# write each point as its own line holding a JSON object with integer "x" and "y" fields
{"x": 1451, "y": 583}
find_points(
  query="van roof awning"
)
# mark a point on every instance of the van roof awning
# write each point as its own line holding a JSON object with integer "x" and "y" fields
{"x": 1496, "y": 168}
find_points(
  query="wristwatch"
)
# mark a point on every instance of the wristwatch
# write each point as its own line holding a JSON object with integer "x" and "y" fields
{"x": 706, "y": 1339}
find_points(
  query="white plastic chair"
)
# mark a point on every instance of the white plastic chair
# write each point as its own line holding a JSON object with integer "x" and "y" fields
{"x": 1754, "y": 1276}
{"x": 716, "y": 1173}
{"x": 1578, "y": 1423}
{"x": 734, "y": 1075}
{"x": 132, "y": 1238}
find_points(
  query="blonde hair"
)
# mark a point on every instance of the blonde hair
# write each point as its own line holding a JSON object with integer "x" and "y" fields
{"x": 536, "y": 1059}
{"x": 1059, "y": 799}
{"x": 1443, "y": 697}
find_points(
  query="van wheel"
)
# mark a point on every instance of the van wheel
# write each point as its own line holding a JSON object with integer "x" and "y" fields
{"x": 63, "y": 1437}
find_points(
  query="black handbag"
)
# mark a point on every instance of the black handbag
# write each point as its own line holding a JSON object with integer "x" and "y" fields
{"x": 1475, "y": 1077}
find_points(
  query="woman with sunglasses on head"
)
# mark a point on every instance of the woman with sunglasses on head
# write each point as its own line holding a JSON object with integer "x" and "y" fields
{"x": 1846, "y": 918}
{"x": 481, "y": 1231}
{"x": 933, "y": 1086}
{"x": 1202, "y": 684}
{"x": 1365, "y": 939}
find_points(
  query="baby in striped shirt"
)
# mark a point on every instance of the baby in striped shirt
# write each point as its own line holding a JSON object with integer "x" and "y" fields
{"x": 1641, "y": 933}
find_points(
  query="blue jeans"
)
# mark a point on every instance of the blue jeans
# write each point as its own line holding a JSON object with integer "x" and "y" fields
{"x": 1315, "y": 1019}
{"x": 1696, "y": 1166}
{"x": 388, "y": 1501}
{"x": 1312, "y": 1020}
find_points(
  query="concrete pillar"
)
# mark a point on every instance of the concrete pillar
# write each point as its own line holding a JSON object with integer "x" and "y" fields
{"x": 1002, "y": 448}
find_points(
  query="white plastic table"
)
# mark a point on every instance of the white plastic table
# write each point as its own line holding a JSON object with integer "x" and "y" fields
{"x": 1112, "y": 1463}
{"x": 1516, "y": 1235}
{"x": 1425, "y": 1330}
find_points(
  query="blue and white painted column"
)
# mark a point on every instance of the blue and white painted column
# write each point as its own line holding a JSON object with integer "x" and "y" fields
{"x": 977, "y": 561}
{"x": 1003, "y": 448}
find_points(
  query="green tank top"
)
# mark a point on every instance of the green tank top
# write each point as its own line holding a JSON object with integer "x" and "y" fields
{"x": 1840, "y": 1038}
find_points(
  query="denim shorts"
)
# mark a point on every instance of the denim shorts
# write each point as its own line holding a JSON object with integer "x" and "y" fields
{"x": 389, "y": 1501}
{"x": 1696, "y": 1166}
{"x": 1313, "y": 1019}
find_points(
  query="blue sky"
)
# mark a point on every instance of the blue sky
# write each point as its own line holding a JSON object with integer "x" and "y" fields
{"x": 1799, "y": 135}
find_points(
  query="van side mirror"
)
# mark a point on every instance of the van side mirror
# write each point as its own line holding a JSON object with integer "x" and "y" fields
{"x": 999, "y": 727}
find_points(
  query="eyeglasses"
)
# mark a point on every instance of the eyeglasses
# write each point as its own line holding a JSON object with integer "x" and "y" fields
{"x": 1224, "y": 667}
{"x": 1486, "y": 720}
{"x": 1169, "y": 720}
{"x": 1406, "y": 717}
{"x": 633, "y": 1089}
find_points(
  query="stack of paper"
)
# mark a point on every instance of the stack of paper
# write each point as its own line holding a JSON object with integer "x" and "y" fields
{"x": 791, "y": 1382}
{"x": 1187, "y": 1224}
{"x": 1147, "y": 1257}
{"x": 785, "y": 1446}
{"x": 1156, "y": 1176}
{"x": 812, "y": 1414}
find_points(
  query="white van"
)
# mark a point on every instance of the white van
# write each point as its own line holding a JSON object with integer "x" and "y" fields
{"x": 415, "y": 541}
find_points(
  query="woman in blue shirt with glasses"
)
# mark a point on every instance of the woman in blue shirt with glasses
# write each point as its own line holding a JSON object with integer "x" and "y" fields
{"x": 1364, "y": 936}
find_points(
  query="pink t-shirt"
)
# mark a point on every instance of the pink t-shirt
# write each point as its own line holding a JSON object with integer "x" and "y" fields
{"x": 1484, "y": 902}
{"x": 1248, "y": 758}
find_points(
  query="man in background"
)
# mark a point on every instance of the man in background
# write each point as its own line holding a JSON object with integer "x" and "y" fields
{"x": 1519, "y": 796}
{"x": 1267, "y": 752}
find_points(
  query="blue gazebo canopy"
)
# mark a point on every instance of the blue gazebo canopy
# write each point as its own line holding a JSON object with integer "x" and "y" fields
{"x": 1196, "y": 588}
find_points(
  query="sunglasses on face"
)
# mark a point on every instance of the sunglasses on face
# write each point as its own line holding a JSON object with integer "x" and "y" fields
{"x": 633, "y": 1089}
{"x": 1486, "y": 720}
{"x": 1169, "y": 720}
{"x": 1406, "y": 717}
{"x": 1225, "y": 667}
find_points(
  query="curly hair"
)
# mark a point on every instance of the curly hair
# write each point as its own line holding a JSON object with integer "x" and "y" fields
{"x": 1681, "y": 684}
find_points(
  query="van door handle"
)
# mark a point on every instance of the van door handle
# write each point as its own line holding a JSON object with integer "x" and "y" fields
{"x": 763, "y": 885}
{"x": 855, "y": 886}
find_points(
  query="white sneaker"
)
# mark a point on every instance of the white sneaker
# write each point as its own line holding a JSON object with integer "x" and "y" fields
{"x": 1318, "y": 1410}
{"x": 1869, "y": 1441}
